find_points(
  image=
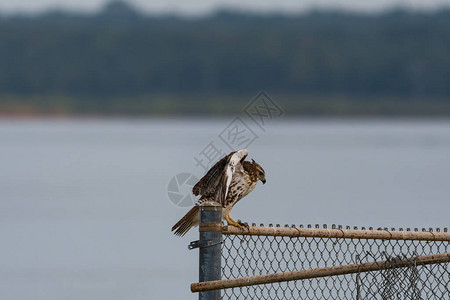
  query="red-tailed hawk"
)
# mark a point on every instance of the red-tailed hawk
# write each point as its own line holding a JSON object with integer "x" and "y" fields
{"x": 227, "y": 182}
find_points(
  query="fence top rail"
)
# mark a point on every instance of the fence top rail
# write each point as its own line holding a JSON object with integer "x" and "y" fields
{"x": 379, "y": 234}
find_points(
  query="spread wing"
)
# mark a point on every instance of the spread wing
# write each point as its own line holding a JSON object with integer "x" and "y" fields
{"x": 218, "y": 179}
{"x": 209, "y": 183}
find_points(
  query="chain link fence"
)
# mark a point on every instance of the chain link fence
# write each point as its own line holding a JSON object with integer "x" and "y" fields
{"x": 250, "y": 255}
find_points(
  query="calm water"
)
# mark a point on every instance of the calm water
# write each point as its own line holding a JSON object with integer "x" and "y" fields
{"x": 84, "y": 210}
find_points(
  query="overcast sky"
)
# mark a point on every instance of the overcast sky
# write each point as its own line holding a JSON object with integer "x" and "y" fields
{"x": 204, "y": 6}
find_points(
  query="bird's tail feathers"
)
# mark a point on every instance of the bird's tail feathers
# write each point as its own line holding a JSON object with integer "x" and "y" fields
{"x": 186, "y": 222}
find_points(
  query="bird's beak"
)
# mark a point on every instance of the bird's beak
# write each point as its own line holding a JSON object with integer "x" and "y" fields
{"x": 263, "y": 180}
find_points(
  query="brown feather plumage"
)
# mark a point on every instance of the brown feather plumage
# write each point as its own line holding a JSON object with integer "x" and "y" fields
{"x": 208, "y": 184}
{"x": 214, "y": 185}
{"x": 251, "y": 169}
{"x": 186, "y": 222}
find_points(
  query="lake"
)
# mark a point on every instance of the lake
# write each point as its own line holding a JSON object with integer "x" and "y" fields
{"x": 85, "y": 212}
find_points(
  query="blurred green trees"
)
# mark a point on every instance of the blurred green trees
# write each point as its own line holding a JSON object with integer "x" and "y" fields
{"x": 121, "y": 53}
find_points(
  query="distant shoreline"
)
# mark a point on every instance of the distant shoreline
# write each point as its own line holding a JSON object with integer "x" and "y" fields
{"x": 25, "y": 107}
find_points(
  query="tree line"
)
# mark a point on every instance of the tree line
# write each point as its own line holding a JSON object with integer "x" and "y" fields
{"x": 121, "y": 52}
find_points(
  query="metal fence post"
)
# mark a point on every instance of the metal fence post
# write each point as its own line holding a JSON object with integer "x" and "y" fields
{"x": 210, "y": 248}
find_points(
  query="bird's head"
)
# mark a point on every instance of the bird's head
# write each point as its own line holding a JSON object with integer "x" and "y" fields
{"x": 259, "y": 171}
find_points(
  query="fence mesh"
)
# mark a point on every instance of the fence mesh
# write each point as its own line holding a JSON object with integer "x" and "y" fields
{"x": 258, "y": 255}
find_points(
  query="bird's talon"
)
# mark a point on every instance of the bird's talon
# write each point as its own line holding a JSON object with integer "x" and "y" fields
{"x": 242, "y": 224}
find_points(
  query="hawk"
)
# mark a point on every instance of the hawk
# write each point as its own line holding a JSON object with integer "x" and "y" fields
{"x": 228, "y": 181}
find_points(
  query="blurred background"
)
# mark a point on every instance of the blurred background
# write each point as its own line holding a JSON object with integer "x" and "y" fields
{"x": 110, "y": 111}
